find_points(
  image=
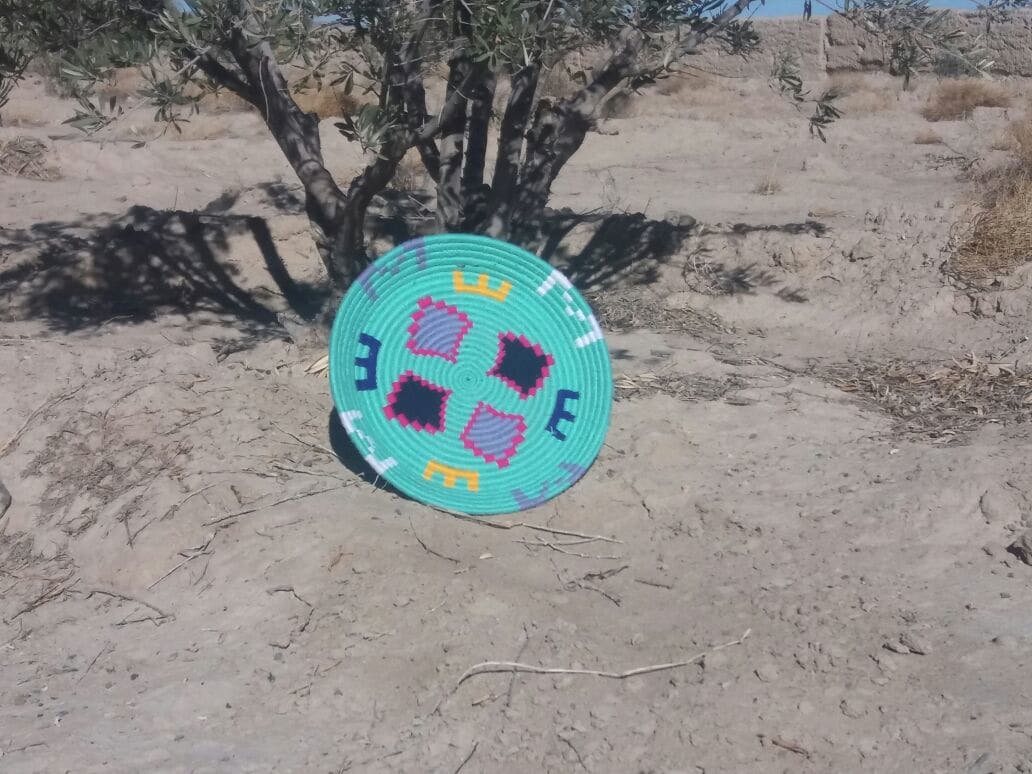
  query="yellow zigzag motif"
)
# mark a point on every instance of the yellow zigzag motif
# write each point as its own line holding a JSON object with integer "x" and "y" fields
{"x": 451, "y": 475}
{"x": 481, "y": 288}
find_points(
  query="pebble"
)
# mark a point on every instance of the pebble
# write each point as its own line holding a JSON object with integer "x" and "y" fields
{"x": 767, "y": 673}
{"x": 915, "y": 643}
{"x": 896, "y": 647}
{"x": 1006, "y": 641}
{"x": 853, "y": 708}
{"x": 1022, "y": 547}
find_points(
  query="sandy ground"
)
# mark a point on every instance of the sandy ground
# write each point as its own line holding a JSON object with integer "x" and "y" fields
{"x": 194, "y": 576}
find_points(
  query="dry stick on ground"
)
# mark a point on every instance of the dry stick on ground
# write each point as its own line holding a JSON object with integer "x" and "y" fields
{"x": 427, "y": 548}
{"x": 256, "y": 508}
{"x": 52, "y": 592}
{"x": 172, "y": 509}
{"x": 540, "y": 543}
{"x": 467, "y": 758}
{"x": 44, "y": 406}
{"x": 193, "y": 554}
{"x": 490, "y": 667}
{"x": 5, "y": 501}
{"x": 162, "y": 615}
{"x": 525, "y": 525}
{"x": 303, "y": 442}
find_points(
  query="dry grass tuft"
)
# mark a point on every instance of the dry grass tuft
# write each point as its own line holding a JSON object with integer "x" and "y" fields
{"x": 860, "y": 94}
{"x": 411, "y": 176}
{"x": 1022, "y": 133}
{"x": 942, "y": 400}
{"x": 999, "y": 238}
{"x": 26, "y": 157}
{"x": 686, "y": 387}
{"x": 927, "y": 137}
{"x": 625, "y": 310}
{"x": 956, "y": 99}
{"x": 326, "y": 102}
{"x": 767, "y": 187}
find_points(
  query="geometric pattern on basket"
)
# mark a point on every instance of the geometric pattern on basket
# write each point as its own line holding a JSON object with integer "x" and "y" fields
{"x": 493, "y": 435}
{"x": 416, "y": 403}
{"x": 521, "y": 365}
{"x": 437, "y": 329}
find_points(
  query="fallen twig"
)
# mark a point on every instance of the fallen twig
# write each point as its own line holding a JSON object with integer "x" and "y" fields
{"x": 255, "y": 509}
{"x": 54, "y": 591}
{"x": 540, "y": 543}
{"x": 489, "y": 667}
{"x": 785, "y": 744}
{"x": 427, "y": 548}
{"x": 190, "y": 554}
{"x": 303, "y": 442}
{"x": 467, "y": 758}
{"x": 497, "y": 525}
{"x": 44, "y": 406}
{"x": 175, "y": 507}
{"x": 162, "y": 615}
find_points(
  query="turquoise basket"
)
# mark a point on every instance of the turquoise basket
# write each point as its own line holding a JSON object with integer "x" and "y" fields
{"x": 470, "y": 374}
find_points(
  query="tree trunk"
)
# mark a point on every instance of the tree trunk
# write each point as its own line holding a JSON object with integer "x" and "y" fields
{"x": 297, "y": 134}
{"x": 510, "y": 148}
{"x": 480, "y": 111}
{"x": 450, "y": 200}
{"x": 558, "y": 130}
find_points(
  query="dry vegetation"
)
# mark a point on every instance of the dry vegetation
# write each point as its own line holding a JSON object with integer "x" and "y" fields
{"x": 26, "y": 157}
{"x": 999, "y": 238}
{"x": 927, "y": 137}
{"x": 860, "y": 93}
{"x": 945, "y": 400}
{"x": 954, "y": 100}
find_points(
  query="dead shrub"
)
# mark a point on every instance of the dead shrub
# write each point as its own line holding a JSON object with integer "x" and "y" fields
{"x": 767, "y": 187}
{"x": 26, "y": 157}
{"x": 860, "y": 94}
{"x": 999, "y": 238}
{"x": 927, "y": 137}
{"x": 326, "y": 102}
{"x": 411, "y": 176}
{"x": 957, "y": 99}
{"x": 1022, "y": 133}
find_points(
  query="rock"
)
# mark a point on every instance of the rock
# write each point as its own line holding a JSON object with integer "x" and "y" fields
{"x": 915, "y": 643}
{"x": 853, "y": 708}
{"x": 5, "y": 499}
{"x": 896, "y": 647}
{"x": 997, "y": 508}
{"x": 679, "y": 219}
{"x": 867, "y": 247}
{"x": 1005, "y": 641}
{"x": 1022, "y": 547}
{"x": 767, "y": 673}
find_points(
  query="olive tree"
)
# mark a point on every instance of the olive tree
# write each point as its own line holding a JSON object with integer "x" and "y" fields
{"x": 483, "y": 53}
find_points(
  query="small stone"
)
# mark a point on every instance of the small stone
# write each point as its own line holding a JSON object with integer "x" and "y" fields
{"x": 865, "y": 248}
{"x": 679, "y": 219}
{"x": 915, "y": 643}
{"x": 767, "y": 673}
{"x": 997, "y": 508}
{"x": 1022, "y": 547}
{"x": 1005, "y": 641}
{"x": 896, "y": 647}
{"x": 637, "y": 639}
{"x": 853, "y": 708}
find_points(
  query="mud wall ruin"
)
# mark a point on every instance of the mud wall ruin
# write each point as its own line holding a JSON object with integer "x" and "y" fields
{"x": 830, "y": 44}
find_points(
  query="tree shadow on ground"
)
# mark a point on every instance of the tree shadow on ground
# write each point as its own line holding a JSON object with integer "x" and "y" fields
{"x": 146, "y": 262}
{"x": 595, "y": 250}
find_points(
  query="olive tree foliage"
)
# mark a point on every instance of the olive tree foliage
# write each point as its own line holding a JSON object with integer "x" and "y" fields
{"x": 489, "y": 56}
